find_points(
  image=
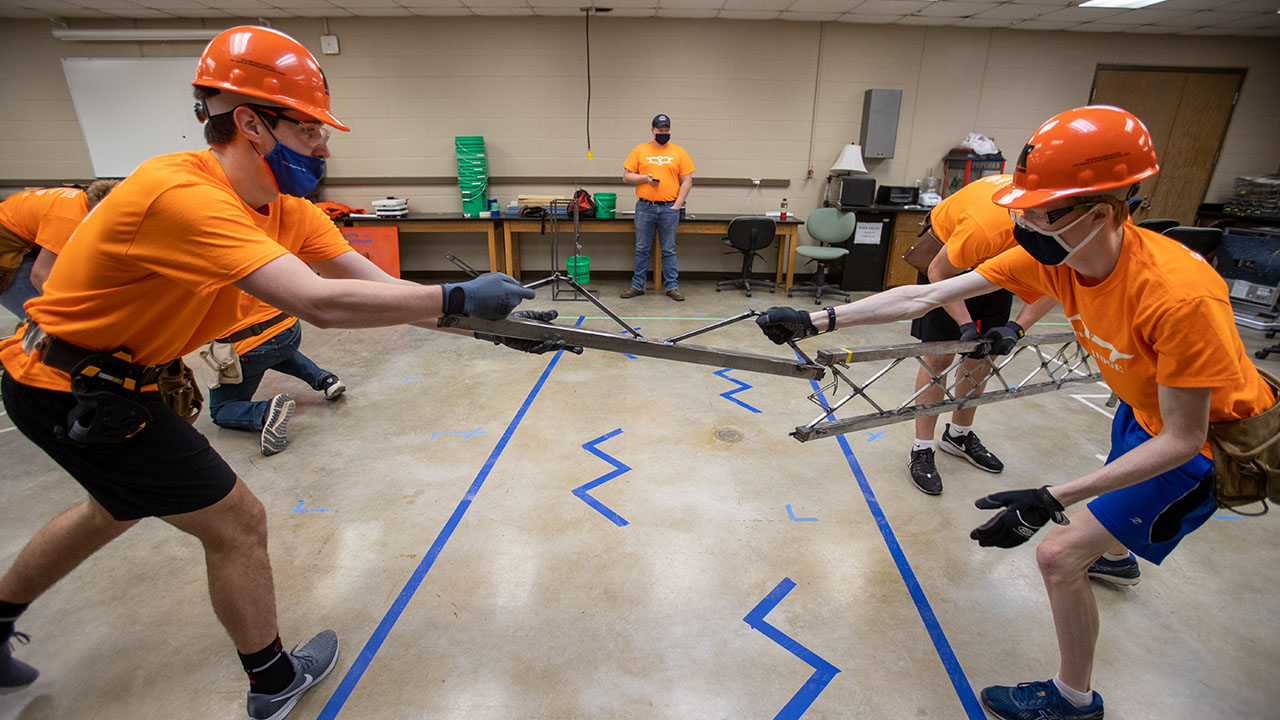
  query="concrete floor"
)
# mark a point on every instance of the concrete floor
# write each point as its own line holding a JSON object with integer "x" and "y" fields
{"x": 429, "y": 518}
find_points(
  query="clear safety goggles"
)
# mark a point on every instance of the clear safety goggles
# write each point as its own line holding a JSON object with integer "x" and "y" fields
{"x": 1044, "y": 220}
{"x": 312, "y": 132}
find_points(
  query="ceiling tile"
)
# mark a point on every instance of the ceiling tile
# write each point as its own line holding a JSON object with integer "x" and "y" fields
{"x": 870, "y": 18}
{"x": 502, "y": 11}
{"x": 1194, "y": 4}
{"x": 983, "y": 22}
{"x": 1043, "y": 25}
{"x": 758, "y": 5}
{"x": 809, "y": 16}
{"x": 443, "y": 12}
{"x": 889, "y": 7}
{"x": 695, "y": 13}
{"x": 1209, "y": 18}
{"x": 1059, "y": 4}
{"x": 822, "y": 6}
{"x": 1101, "y": 27}
{"x": 385, "y": 12}
{"x": 1259, "y": 32}
{"x": 1155, "y": 30}
{"x": 950, "y": 8}
{"x": 332, "y": 12}
{"x": 748, "y": 14}
{"x": 688, "y": 4}
{"x": 922, "y": 20}
{"x": 1255, "y": 6}
{"x": 1012, "y": 11}
{"x": 1078, "y": 15}
{"x": 138, "y": 14}
{"x": 1146, "y": 16}
{"x": 203, "y": 12}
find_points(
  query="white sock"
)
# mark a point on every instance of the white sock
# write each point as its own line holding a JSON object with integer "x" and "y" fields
{"x": 1116, "y": 558}
{"x": 960, "y": 430}
{"x": 922, "y": 445}
{"x": 1073, "y": 696}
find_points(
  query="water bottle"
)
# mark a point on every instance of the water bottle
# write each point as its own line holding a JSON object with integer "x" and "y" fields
{"x": 783, "y": 214}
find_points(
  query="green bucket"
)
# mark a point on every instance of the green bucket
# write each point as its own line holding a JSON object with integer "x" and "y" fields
{"x": 475, "y": 206}
{"x": 606, "y": 204}
{"x": 579, "y": 267}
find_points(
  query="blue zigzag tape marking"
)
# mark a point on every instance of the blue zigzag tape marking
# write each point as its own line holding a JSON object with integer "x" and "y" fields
{"x": 727, "y": 395}
{"x": 618, "y": 469}
{"x": 823, "y": 671}
{"x": 959, "y": 682}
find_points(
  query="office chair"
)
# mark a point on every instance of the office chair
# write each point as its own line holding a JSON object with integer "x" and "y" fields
{"x": 1158, "y": 224}
{"x": 747, "y": 235}
{"x": 828, "y": 226}
{"x": 1204, "y": 240}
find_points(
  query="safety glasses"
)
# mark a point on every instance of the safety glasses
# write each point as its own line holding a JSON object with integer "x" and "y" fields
{"x": 312, "y": 132}
{"x": 1038, "y": 219}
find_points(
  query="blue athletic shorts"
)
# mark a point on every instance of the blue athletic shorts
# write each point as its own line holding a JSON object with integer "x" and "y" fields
{"x": 1152, "y": 517}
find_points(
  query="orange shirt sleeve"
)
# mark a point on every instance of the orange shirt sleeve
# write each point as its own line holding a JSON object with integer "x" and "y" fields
{"x": 321, "y": 239}
{"x": 1194, "y": 345}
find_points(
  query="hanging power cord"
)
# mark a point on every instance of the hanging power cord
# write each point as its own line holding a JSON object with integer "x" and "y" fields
{"x": 587, "y": 13}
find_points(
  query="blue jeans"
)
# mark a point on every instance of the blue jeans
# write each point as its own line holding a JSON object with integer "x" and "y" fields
{"x": 21, "y": 289}
{"x": 651, "y": 218}
{"x": 232, "y": 406}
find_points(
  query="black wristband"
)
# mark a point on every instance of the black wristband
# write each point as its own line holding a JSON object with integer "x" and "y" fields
{"x": 454, "y": 297}
{"x": 831, "y": 319}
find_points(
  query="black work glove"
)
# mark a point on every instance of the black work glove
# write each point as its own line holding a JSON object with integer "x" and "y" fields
{"x": 1025, "y": 512}
{"x": 491, "y": 296}
{"x": 969, "y": 333}
{"x": 781, "y": 324}
{"x": 533, "y": 347}
{"x": 1002, "y": 339}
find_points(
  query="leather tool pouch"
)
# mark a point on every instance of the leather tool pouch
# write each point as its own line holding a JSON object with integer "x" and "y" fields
{"x": 221, "y": 357}
{"x": 105, "y": 413}
{"x": 1246, "y": 456}
{"x": 926, "y": 248}
{"x": 179, "y": 390}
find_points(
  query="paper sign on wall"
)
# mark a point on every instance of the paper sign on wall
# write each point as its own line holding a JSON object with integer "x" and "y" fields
{"x": 381, "y": 244}
{"x": 868, "y": 233}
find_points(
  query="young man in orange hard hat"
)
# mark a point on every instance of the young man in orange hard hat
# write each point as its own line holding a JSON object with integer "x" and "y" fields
{"x": 1158, "y": 321}
{"x": 157, "y": 271}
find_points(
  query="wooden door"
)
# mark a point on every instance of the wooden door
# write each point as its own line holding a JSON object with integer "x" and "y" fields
{"x": 1187, "y": 112}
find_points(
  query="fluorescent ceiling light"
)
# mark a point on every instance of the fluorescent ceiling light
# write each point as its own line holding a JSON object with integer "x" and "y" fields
{"x": 135, "y": 35}
{"x": 1127, "y": 4}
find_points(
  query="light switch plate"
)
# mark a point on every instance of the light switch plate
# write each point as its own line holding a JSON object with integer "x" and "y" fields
{"x": 329, "y": 44}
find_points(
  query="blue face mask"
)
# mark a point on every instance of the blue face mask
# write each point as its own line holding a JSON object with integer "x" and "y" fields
{"x": 296, "y": 174}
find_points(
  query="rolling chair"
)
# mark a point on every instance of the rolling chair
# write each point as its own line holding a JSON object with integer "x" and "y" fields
{"x": 1204, "y": 240}
{"x": 747, "y": 235}
{"x": 1158, "y": 224}
{"x": 828, "y": 226}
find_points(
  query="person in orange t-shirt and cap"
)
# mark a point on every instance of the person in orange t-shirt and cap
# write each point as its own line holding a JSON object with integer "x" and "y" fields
{"x": 43, "y": 219}
{"x": 1157, "y": 320}
{"x": 154, "y": 273}
{"x": 663, "y": 175}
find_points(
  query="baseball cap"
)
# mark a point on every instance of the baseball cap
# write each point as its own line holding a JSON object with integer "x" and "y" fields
{"x": 660, "y": 120}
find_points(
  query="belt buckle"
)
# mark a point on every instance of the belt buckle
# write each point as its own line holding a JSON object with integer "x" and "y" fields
{"x": 34, "y": 338}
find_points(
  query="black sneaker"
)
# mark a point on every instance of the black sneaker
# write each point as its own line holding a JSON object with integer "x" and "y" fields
{"x": 332, "y": 387}
{"x": 970, "y": 448}
{"x": 924, "y": 473}
{"x": 15, "y": 675}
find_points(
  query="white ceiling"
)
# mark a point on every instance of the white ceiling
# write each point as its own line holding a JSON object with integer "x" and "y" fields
{"x": 1257, "y": 18}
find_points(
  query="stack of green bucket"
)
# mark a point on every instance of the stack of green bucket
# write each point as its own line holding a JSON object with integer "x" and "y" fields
{"x": 473, "y": 174}
{"x": 606, "y": 204}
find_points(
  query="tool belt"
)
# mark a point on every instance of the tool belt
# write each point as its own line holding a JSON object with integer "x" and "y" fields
{"x": 220, "y": 355}
{"x": 107, "y": 387}
{"x": 252, "y": 330}
{"x": 1246, "y": 456}
{"x": 926, "y": 248}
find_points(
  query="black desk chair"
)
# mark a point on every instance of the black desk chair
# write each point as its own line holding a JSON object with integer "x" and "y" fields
{"x": 747, "y": 235}
{"x": 1204, "y": 240}
{"x": 1158, "y": 224}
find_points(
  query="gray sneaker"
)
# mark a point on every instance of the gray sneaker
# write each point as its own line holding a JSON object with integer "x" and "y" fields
{"x": 15, "y": 675}
{"x": 313, "y": 662}
{"x": 275, "y": 427}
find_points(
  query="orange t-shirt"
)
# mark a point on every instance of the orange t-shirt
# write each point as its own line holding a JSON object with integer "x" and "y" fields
{"x": 1161, "y": 318}
{"x": 44, "y": 217}
{"x": 252, "y": 312}
{"x": 151, "y": 268}
{"x": 667, "y": 164}
{"x": 973, "y": 228}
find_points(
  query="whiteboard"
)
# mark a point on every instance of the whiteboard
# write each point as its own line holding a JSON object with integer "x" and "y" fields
{"x": 132, "y": 109}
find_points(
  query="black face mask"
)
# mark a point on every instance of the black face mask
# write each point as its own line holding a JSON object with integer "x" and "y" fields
{"x": 662, "y": 138}
{"x": 1044, "y": 248}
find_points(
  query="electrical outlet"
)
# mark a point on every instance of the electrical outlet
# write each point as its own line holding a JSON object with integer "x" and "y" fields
{"x": 329, "y": 44}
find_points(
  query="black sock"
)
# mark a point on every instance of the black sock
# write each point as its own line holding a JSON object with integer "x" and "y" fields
{"x": 270, "y": 669}
{"x": 8, "y": 613}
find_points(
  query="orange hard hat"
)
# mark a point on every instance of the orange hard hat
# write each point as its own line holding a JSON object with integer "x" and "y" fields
{"x": 268, "y": 65}
{"x": 1080, "y": 152}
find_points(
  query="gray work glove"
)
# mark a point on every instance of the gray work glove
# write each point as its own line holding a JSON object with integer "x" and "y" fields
{"x": 533, "y": 347}
{"x": 491, "y": 296}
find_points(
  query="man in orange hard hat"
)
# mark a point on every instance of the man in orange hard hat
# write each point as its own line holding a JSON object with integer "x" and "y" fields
{"x": 1158, "y": 321}
{"x": 156, "y": 272}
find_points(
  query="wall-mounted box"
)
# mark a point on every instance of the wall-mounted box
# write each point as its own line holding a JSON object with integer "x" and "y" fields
{"x": 880, "y": 109}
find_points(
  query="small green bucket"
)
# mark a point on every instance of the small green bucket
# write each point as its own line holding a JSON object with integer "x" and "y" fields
{"x": 579, "y": 267}
{"x": 606, "y": 204}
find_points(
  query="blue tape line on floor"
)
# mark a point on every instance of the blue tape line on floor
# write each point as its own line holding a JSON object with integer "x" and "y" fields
{"x": 370, "y": 649}
{"x": 618, "y": 469}
{"x": 741, "y": 386}
{"x": 948, "y": 657}
{"x": 823, "y": 671}
{"x": 792, "y": 514}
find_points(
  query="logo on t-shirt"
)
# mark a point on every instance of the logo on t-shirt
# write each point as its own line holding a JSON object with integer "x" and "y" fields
{"x": 1113, "y": 355}
{"x": 660, "y": 160}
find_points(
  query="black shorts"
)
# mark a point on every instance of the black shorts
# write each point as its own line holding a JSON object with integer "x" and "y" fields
{"x": 988, "y": 311}
{"x": 166, "y": 469}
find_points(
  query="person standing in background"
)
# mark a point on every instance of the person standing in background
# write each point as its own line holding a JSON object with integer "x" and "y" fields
{"x": 663, "y": 174}
{"x": 41, "y": 219}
